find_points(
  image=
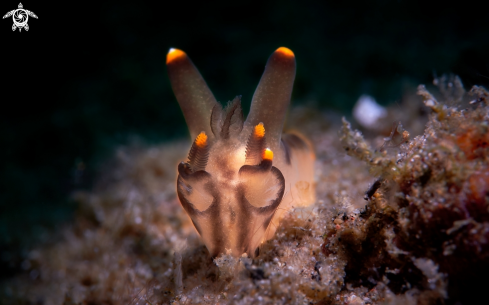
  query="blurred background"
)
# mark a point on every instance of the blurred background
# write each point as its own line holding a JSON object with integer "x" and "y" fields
{"x": 87, "y": 78}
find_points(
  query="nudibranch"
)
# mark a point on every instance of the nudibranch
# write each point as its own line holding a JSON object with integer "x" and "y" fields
{"x": 241, "y": 175}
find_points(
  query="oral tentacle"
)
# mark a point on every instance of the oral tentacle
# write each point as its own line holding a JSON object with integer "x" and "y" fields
{"x": 194, "y": 96}
{"x": 272, "y": 96}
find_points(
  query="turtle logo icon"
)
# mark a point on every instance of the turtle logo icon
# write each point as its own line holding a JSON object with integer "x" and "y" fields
{"x": 20, "y": 17}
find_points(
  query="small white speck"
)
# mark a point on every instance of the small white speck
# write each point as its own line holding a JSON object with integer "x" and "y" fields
{"x": 367, "y": 111}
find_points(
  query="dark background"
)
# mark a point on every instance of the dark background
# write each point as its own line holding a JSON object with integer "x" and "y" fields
{"x": 88, "y": 77}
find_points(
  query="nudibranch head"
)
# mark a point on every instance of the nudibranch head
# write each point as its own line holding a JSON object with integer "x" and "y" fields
{"x": 229, "y": 185}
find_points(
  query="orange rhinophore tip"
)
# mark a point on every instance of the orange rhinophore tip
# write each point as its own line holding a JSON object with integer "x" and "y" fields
{"x": 201, "y": 140}
{"x": 285, "y": 51}
{"x": 259, "y": 131}
{"x": 174, "y": 54}
{"x": 268, "y": 154}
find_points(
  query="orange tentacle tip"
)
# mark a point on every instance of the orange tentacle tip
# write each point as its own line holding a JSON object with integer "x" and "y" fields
{"x": 201, "y": 140}
{"x": 259, "y": 130}
{"x": 285, "y": 51}
{"x": 174, "y": 54}
{"x": 268, "y": 154}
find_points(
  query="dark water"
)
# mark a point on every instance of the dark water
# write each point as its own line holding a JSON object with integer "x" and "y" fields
{"x": 87, "y": 77}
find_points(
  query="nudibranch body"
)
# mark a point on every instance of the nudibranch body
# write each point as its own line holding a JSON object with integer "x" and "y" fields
{"x": 241, "y": 176}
